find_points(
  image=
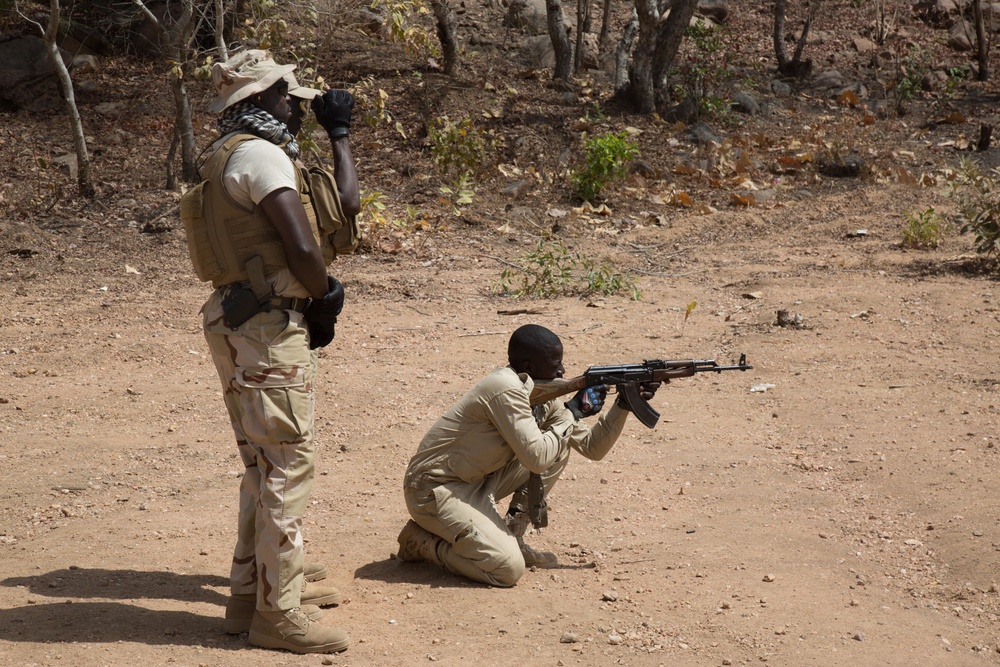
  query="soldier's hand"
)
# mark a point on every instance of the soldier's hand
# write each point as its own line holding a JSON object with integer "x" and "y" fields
{"x": 333, "y": 111}
{"x": 648, "y": 389}
{"x": 588, "y": 401}
{"x": 321, "y": 314}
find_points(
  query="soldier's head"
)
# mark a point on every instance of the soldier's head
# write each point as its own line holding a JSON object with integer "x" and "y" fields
{"x": 301, "y": 96}
{"x": 537, "y": 351}
{"x": 252, "y": 76}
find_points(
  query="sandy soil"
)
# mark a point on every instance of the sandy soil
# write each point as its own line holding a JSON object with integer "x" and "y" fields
{"x": 836, "y": 505}
{"x": 847, "y": 514}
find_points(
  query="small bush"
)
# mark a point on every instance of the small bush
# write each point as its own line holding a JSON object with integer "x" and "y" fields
{"x": 924, "y": 229}
{"x": 606, "y": 161}
{"x": 978, "y": 196}
{"x": 552, "y": 270}
{"x": 459, "y": 147}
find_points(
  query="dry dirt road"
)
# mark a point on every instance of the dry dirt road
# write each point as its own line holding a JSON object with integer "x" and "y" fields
{"x": 846, "y": 515}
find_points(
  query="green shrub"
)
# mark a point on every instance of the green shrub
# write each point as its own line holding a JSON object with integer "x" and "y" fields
{"x": 458, "y": 147}
{"x": 924, "y": 229}
{"x": 606, "y": 161}
{"x": 978, "y": 196}
{"x": 552, "y": 270}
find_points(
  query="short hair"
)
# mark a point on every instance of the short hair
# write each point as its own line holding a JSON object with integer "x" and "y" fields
{"x": 528, "y": 340}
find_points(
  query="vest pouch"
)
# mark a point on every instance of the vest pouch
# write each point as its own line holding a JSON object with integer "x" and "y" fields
{"x": 206, "y": 264}
{"x": 344, "y": 233}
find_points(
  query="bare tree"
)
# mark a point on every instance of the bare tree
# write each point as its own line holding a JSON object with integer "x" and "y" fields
{"x": 582, "y": 26}
{"x": 794, "y": 66}
{"x": 655, "y": 50}
{"x": 84, "y": 179}
{"x": 560, "y": 39}
{"x": 982, "y": 45}
{"x": 446, "y": 32}
{"x": 178, "y": 42}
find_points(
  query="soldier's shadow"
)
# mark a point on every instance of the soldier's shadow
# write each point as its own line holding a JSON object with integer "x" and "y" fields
{"x": 72, "y": 620}
{"x": 123, "y": 585}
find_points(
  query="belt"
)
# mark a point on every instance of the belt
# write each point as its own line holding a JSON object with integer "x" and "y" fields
{"x": 288, "y": 303}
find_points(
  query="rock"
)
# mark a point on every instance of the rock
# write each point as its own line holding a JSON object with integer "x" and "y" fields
{"x": 518, "y": 189}
{"x": 829, "y": 79}
{"x": 960, "y": 37}
{"x": 537, "y": 52}
{"x": 745, "y": 103}
{"x": 685, "y": 112}
{"x": 610, "y": 596}
{"x": 768, "y": 578}
{"x": 844, "y": 167}
{"x": 780, "y": 88}
{"x": 934, "y": 80}
{"x": 28, "y": 78}
{"x": 862, "y": 45}
{"x": 569, "y": 638}
{"x": 83, "y": 63}
{"x": 717, "y": 10}
{"x": 701, "y": 133}
{"x": 529, "y": 16}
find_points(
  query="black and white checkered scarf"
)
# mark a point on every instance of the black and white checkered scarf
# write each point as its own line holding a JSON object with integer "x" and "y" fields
{"x": 245, "y": 117}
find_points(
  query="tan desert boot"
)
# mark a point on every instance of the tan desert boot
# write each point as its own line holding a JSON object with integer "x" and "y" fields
{"x": 416, "y": 544}
{"x": 314, "y": 571}
{"x": 517, "y": 524}
{"x": 293, "y": 631}
{"x": 321, "y": 595}
{"x": 240, "y": 610}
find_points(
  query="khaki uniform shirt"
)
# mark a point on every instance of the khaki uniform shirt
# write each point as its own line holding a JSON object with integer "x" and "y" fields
{"x": 493, "y": 424}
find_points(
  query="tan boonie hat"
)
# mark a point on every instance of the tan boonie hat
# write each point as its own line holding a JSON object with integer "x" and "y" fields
{"x": 246, "y": 73}
{"x": 301, "y": 92}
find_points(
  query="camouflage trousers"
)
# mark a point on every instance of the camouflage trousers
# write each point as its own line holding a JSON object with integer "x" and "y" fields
{"x": 478, "y": 544}
{"x": 268, "y": 373}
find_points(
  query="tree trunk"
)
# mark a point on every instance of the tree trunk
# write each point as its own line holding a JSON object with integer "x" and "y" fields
{"x": 982, "y": 46}
{"x": 184, "y": 128}
{"x": 582, "y": 22}
{"x": 622, "y": 55}
{"x": 446, "y": 32}
{"x": 795, "y": 66}
{"x": 220, "y": 30}
{"x": 602, "y": 43}
{"x": 84, "y": 179}
{"x": 641, "y": 91}
{"x": 560, "y": 40}
{"x": 669, "y": 37}
{"x": 779, "y": 34}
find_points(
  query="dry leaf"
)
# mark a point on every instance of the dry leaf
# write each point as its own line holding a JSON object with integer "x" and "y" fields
{"x": 928, "y": 181}
{"x": 868, "y": 119}
{"x": 681, "y": 199}
{"x": 556, "y": 213}
{"x": 685, "y": 170}
{"x": 954, "y": 118}
{"x": 704, "y": 209}
{"x": 849, "y": 98}
{"x": 747, "y": 200}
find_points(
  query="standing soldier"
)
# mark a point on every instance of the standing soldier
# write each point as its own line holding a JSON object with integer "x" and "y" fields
{"x": 255, "y": 233}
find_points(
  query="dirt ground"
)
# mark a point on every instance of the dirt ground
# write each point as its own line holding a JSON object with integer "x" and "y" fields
{"x": 835, "y": 505}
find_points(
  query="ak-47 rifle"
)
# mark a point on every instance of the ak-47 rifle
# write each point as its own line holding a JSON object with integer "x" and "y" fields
{"x": 626, "y": 379}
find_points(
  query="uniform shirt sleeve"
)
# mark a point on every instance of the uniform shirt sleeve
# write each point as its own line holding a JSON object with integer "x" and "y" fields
{"x": 536, "y": 449}
{"x": 256, "y": 169}
{"x": 592, "y": 442}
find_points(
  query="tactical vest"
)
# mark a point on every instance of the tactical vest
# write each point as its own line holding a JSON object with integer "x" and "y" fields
{"x": 222, "y": 236}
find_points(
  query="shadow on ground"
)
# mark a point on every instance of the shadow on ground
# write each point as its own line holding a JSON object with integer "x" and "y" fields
{"x": 124, "y": 585}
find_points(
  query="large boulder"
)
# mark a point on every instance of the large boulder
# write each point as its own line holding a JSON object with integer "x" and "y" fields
{"x": 28, "y": 78}
{"x": 527, "y": 15}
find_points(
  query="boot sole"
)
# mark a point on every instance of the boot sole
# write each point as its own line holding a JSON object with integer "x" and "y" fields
{"x": 237, "y": 626}
{"x": 266, "y": 641}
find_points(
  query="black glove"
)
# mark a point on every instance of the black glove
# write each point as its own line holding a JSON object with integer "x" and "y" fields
{"x": 333, "y": 111}
{"x": 588, "y": 401}
{"x": 321, "y": 314}
{"x": 646, "y": 392}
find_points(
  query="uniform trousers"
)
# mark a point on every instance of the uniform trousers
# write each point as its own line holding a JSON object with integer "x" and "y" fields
{"x": 268, "y": 374}
{"x": 477, "y": 543}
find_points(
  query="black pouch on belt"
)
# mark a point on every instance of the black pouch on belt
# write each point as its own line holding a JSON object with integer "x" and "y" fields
{"x": 239, "y": 305}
